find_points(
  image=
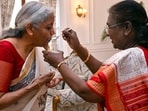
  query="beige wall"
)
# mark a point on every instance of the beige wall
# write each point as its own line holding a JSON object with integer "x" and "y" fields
{"x": 89, "y": 29}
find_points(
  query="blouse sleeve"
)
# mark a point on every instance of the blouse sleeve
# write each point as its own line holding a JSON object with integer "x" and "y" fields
{"x": 5, "y": 69}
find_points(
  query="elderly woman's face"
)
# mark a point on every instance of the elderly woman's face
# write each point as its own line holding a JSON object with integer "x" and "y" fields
{"x": 45, "y": 31}
{"x": 115, "y": 32}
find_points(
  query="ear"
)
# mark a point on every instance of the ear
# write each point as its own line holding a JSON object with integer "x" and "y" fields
{"x": 29, "y": 29}
{"x": 128, "y": 28}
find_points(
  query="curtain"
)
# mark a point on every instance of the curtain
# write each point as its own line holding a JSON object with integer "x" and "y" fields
{"x": 51, "y": 3}
{"x": 6, "y": 12}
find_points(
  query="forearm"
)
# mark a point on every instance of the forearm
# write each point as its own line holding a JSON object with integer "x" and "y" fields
{"x": 78, "y": 85}
{"x": 9, "y": 98}
{"x": 92, "y": 63}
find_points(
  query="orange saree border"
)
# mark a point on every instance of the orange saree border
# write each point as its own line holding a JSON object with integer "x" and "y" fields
{"x": 129, "y": 91}
{"x": 123, "y": 84}
{"x": 112, "y": 95}
{"x": 107, "y": 81}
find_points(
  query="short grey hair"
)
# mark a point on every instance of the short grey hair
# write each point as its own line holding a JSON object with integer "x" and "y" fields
{"x": 32, "y": 12}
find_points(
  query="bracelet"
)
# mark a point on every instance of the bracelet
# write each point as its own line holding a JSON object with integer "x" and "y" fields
{"x": 59, "y": 65}
{"x": 87, "y": 57}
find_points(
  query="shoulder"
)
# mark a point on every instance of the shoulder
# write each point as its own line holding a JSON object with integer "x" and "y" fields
{"x": 7, "y": 51}
{"x": 128, "y": 54}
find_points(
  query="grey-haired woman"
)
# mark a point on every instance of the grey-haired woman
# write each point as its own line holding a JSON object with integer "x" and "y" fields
{"x": 22, "y": 85}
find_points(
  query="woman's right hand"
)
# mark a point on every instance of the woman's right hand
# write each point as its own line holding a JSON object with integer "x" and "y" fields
{"x": 71, "y": 37}
{"x": 44, "y": 79}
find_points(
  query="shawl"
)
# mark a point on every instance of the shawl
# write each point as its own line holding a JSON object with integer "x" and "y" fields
{"x": 123, "y": 81}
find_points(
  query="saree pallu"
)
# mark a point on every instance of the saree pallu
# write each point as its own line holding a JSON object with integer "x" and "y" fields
{"x": 123, "y": 81}
{"x": 33, "y": 67}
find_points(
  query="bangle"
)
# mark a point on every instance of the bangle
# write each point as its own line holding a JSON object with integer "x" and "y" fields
{"x": 87, "y": 57}
{"x": 59, "y": 65}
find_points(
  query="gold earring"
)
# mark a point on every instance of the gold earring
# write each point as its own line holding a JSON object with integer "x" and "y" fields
{"x": 31, "y": 34}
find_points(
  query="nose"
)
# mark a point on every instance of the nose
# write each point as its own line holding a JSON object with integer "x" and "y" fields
{"x": 52, "y": 32}
{"x": 106, "y": 32}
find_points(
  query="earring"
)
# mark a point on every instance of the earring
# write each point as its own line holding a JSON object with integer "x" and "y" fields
{"x": 31, "y": 34}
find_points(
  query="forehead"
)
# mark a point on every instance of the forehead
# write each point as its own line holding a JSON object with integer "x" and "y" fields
{"x": 110, "y": 19}
{"x": 49, "y": 20}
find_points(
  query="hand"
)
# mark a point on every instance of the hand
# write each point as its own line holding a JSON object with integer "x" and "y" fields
{"x": 71, "y": 37}
{"x": 44, "y": 79}
{"x": 53, "y": 58}
{"x": 54, "y": 82}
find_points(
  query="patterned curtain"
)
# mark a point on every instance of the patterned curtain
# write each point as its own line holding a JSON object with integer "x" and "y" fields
{"x": 6, "y": 12}
{"x": 49, "y": 2}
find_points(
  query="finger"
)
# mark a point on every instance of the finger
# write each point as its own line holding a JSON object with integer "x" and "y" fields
{"x": 57, "y": 80}
{"x": 49, "y": 85}
{"x": 51, "y": 74}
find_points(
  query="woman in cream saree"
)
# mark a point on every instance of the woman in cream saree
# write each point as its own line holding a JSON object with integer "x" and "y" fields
{"x": 23, "y": 84}
{"x": 33, "y": 67}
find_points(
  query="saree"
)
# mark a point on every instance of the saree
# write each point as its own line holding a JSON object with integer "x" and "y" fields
{"x": 123, "y": 81}
{"x": 33, "y": 67}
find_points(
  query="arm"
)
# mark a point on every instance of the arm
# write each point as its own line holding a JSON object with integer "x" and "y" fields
{"x": 8, "y": 98}
{"x": 78, "y": 85}
{"x": 67, "y": 96}
{"x": 72, "y": 39}
{"x": 72, "y": 79}
{"x": 93, "y": 64}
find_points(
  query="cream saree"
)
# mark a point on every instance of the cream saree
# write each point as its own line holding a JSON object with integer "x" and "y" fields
{"x": 123, "y": 81}
{"x": 33, "y": 67}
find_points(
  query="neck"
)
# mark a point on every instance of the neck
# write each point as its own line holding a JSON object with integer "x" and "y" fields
{"x": 133, "y": 44}
{"x": 23, "y": 47}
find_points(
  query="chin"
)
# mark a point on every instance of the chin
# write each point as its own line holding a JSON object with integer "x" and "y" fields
{"x": 115, "y": 47}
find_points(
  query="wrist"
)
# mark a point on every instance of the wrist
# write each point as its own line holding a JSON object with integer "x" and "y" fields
{"x": 34, "y": 85}
{"x": 60, "y": 64}
{"x": 79, "y": 49}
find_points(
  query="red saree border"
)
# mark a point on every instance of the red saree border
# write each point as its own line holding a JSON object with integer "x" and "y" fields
{"x": 135, "y": 93}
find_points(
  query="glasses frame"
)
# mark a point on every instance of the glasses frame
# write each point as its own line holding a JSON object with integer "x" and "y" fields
{"x": 112, "y": 26}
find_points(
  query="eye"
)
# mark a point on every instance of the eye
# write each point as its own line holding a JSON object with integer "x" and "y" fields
{"x": 49, "y": 28}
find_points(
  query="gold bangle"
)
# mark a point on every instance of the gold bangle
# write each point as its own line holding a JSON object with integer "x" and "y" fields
{"x": 87, "y": 57}
{"x": 59, "y": 65}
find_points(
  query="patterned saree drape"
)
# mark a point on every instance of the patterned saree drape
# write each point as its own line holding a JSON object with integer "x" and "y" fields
{"x": 6, "y": 12}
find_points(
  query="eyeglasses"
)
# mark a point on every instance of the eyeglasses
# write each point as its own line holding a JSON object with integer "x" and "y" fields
{"x": 111, "y": 26}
